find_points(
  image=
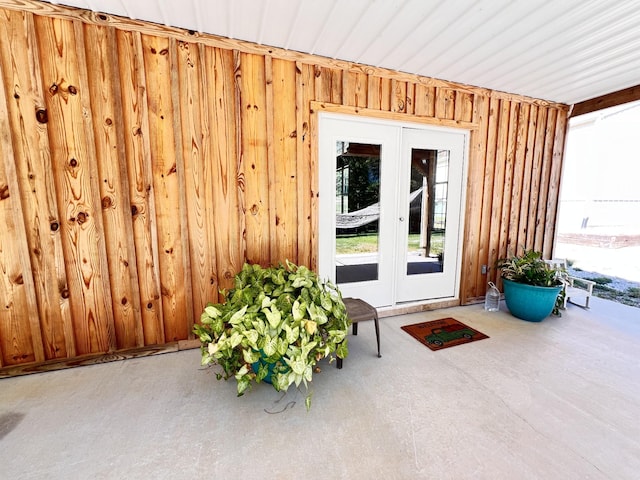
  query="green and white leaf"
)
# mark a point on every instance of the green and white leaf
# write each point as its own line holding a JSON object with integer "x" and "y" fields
{"x": 308, "y": 373}
{"x": 270, "y": 345}
{"x": 211, "y": 311}
{"x": 273, "y": 316}
{"x": 262, "y": 372}
{"x": 317, "y": 314}
{"x": 292, "y": 334}
{"x": 213, "y": 348}
{"x": 243, "y": 371}
{"x": 235, "y": 339}
{"x": 252, "y": 336}
{"x": 237, "y": 316}
{"x": 299, "y": 310}
{"x": 337, "y": 335}
{"x": 250, "y": 356}
{"x": 260, "y": 327}
{"x": 326, "y": 302}
{"x": 342, "y": 350}
{"x": 243, "y": 384}
{"x": 282, "y": 347}
{"x": 266, "y": 302}
{"x": 306, "y": 348}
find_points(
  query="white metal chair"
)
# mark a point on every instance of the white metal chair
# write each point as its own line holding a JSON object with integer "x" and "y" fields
{"x": 577, "y": 288}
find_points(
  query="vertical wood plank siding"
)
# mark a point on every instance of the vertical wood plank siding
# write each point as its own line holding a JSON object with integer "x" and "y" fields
{"x": 142, "y": 166}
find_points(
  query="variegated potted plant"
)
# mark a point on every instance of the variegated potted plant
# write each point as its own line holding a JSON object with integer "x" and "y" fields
{"x": 275, "y": 325}
{"x": 533, "y": 289}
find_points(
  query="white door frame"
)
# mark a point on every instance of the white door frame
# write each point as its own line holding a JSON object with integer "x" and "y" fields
{"x": 383, "y": 292}
{"x": 435, "y": 285}
{"x": 374, "y": 133}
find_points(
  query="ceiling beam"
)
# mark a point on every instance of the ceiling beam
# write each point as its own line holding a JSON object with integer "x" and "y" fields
{"x": 627, "y": 95}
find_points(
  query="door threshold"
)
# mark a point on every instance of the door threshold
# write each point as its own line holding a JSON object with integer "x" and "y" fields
{"x": 415, "y": 307}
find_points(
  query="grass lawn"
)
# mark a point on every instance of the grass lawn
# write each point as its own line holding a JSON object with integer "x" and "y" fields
{"x": 367, "y": 243}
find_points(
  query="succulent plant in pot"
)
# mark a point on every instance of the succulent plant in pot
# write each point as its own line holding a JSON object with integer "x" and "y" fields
{"x": 533, "y": 288}
{"x": 275, "y": 325}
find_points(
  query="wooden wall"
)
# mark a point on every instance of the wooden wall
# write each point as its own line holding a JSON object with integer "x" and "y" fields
{"x": 142, "y": 165}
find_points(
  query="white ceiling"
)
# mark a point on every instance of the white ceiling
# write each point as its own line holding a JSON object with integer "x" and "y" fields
{"x": 558, "y": 50}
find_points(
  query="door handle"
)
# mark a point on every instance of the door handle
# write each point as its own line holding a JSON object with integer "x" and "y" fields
{"x": 402, "y": 219}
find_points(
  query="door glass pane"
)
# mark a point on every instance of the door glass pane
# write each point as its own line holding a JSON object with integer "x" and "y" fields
{"x": 357, "y": 211}
{"x": 427, "y": 211}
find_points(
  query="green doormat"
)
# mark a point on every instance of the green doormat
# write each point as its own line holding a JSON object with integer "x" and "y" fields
{"x": 443, "y": 333}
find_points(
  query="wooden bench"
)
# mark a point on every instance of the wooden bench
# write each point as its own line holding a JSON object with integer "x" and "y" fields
{"x": 577, "y": 288}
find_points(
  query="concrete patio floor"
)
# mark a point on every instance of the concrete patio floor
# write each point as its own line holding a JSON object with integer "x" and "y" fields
{"x": 558, "y": 399}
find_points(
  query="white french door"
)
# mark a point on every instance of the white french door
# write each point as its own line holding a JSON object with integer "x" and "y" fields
{"x": 390, "y": 209}
{"x": 428, "y": 232}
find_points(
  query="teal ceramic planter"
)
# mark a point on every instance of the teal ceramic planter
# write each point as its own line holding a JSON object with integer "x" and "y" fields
{"x": 270, "y": 367}
{"x": 529, "y": 302}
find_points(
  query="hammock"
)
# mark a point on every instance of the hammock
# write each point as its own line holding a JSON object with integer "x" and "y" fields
{"x": 366, "y": 215}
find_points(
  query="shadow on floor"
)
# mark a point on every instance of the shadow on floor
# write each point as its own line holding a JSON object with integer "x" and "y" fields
{"x": 9, "y": 421}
